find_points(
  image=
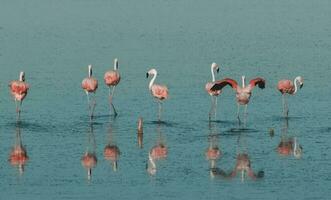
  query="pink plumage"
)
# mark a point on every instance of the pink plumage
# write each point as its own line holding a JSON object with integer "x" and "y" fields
{"x": 160, "y": 91}
{"x": 19, "y": 89}
{"x": 112, "y": 78}
{"x": 90, "y": 84}
{"x": 286, "y": 86}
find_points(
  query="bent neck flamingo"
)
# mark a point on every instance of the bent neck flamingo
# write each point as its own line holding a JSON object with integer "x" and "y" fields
{"x": 112, "y": 78}
{"x": 159, "y": 92}
{"x": 90, "y": 85}
{"x": 19, "y": 90}
{"x": 243, "y": 93}
{"x": 287, "y": 87}
{"x": 213, "y": 93}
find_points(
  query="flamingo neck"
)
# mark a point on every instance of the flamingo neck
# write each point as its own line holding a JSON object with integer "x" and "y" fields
{"x": 151, "y": 160}
{"x": 21, "y": 76}
{"x": 116, "y": 64}
{"x": 243, "y": 81}
{"x": 89, "y": 71}
{"x": 152, "y": 81}
{"x": 89, "y": 173}
{"x": 296, "y": 85}
{"x": 212, "y": 73}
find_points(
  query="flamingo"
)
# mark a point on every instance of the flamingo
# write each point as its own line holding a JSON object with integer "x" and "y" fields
{"x": 287, "y": 87}
{"x": 243, "y": 94}
{"x": 213, "y": 93}
{"x": 19, "y": 90}
{"x": 112, "y": 78}
{"x": 90, "y": 85}
{"x": 159, "y": 92}
{"x": 18, "y": 155}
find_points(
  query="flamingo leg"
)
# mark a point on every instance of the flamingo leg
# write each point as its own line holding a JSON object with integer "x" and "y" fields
{"x": 283, "y": 98}
{"x": 89, "y": 105}
{"x": 215, "y": 108}
{"x": 238, "y": 110}
{"x": 245, "y": 114}
{"x": 286, "y": 107}
{"x": 111, "y": 94}
{"x": 212, "y": 107}
{"x": 160, "y": 110}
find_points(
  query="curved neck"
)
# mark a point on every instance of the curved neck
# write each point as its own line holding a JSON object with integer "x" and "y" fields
{"x": 152, "y": 81}
{"x": 212, "y": 73}
{"x": 89, "y": 71}
{"x": 295, "y": 85}
{"x": 116, "y": 64}
{"x": 21, "y": 76}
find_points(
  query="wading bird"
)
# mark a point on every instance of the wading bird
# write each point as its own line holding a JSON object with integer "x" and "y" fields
{"x": 159, "y": 92}
{"x": 287, "y": 87}
{"x": 112, "y": 78}
{"x": 90, "y": 85}
{"x": 19, "y": 90}
{"x": 243, "y": 93}
{"x": 213, "y": 93}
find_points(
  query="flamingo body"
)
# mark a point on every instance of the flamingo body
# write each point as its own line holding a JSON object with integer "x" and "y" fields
{"x": 90, "y": 84}
{"x": 160, "y": 92}
{"x": 208, "y": 87}
{"x": 286, "y": 86}
{"x": 89, "y": 160}
{"x": 112, "y": 78}
{"x": 213, "y": 153}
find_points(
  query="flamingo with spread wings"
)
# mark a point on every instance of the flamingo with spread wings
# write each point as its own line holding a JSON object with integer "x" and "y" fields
{"x": 243, "y": 93}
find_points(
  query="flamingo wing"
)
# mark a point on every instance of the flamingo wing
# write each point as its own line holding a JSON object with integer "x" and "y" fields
{"x": 257, "y": 81}
{"x": 218, "y": 85}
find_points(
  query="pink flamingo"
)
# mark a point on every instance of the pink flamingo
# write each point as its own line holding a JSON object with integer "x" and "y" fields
{"x": 287, "y": 87}
{"x": 112, "y": 78}
{"x": 19, "y": 90}
{"x": 159, "y": 151}
{"x": 213, "y": 93}
{"x": 90, "y": 85}
{"x": 159, "y": 92}
{"x": 243, "y": 94}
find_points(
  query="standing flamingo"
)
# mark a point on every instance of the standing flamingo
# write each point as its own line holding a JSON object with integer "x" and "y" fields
{"x": 112, "y": 78}
{"x": 243, "y": 94}
{"x": 160, "y": 92}
{"x": 19, "y": 90}
{"x": 287, "y": 87}
{"x": 213, "y": 93}
{"x": 90, "y": 85}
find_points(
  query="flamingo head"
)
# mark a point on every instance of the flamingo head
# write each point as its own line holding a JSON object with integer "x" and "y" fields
{"x": 300, "y": 81}
{"x": 115, "y": 64}
{"x": 151, "y": 72}
{"x": 89, "y": 70}
{"x": 22, "y": 76}
{"x": 215, "y": 66}
{"x": 89, "y": 173}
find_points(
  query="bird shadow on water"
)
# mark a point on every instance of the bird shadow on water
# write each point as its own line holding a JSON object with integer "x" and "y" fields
{"x": 164, "y": 123}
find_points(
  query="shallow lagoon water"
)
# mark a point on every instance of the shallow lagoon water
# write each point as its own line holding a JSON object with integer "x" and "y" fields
{"x": 54, "y": 41}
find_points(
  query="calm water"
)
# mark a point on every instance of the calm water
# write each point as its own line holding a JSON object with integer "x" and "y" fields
{"x": 54, "y": 41}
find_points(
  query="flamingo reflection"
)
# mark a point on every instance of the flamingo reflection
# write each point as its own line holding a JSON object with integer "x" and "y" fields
{"x": 140, "y": 132}
{"x": 288, "y": 145}
{"x": 158, "y": 152}
{"x": 243, "y": 162}
{"x": 18, "y": 155}
{"x": 89, "y": 159}
{"x": 213, "y": 152}
{"x": 111, "y": 152}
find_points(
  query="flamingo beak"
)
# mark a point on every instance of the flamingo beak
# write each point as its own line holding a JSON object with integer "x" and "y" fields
{"x": 147, "y": 75}
{"x": 218, "y": 69}
{"x": 301, "y": 85}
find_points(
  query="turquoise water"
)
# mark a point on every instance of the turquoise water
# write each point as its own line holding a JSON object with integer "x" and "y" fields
{"x": 54, "y": 41}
